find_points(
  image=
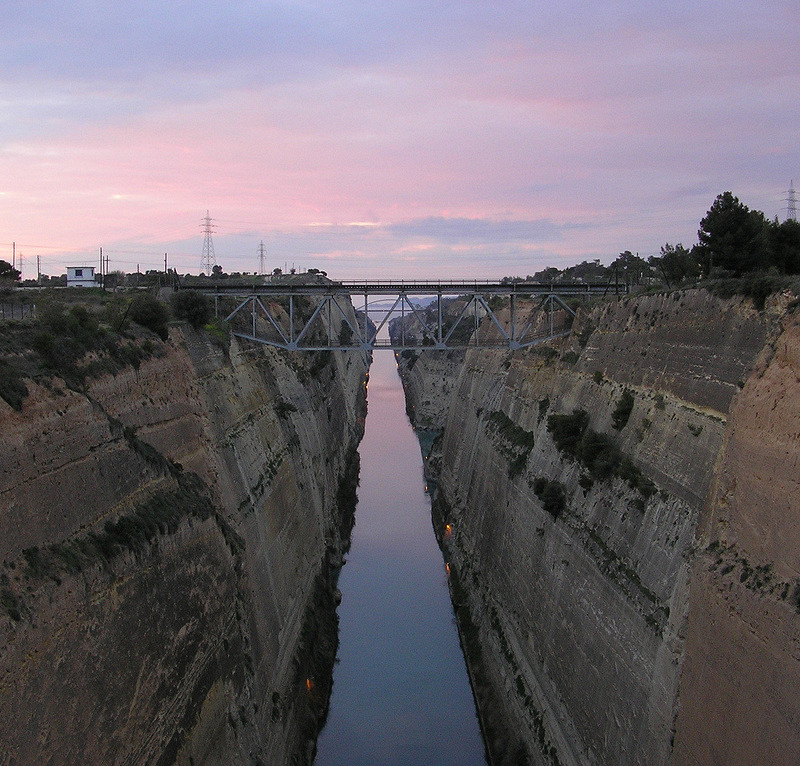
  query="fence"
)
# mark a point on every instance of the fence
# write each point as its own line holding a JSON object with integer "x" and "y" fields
{"x": 17, "y": 311}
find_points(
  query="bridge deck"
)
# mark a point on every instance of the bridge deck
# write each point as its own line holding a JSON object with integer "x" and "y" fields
{"x": 382, "y": 287}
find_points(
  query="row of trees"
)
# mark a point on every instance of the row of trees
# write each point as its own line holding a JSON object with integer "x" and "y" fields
{"x": 732, "y": 241}
{"x": 740, "y": 240}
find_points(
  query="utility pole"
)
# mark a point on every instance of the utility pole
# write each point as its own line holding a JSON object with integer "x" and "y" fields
{"x": 102, "y": 281}
{"x": 13, "y": 255}
{"x": 39, "y": 270}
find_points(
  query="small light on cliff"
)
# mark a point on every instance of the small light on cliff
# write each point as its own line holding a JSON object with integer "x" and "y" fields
{"x": 309, "y": 684}
{"x": 448, "y": 531}
{"x": 447, "y": 568}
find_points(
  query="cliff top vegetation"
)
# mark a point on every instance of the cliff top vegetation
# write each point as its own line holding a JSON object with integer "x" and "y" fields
{"x": 76, "y": 334}
{"x": 737, "y": 248}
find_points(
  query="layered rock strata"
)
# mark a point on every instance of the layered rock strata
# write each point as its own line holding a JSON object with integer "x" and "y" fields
{"x": 592, "y": 494}
{"x": 170, "y": 537}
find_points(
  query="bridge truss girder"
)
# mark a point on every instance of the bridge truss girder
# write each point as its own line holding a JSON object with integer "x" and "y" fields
{"x": 283, "y": 326}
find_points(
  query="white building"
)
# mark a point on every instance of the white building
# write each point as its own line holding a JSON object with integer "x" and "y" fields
{"x": 80, "y": 276}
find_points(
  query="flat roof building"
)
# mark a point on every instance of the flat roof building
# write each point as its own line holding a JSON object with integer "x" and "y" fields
{"x": 80, "y": 276}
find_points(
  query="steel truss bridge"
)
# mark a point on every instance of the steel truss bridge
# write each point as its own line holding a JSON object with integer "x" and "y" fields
{"x": 279, "y": 313}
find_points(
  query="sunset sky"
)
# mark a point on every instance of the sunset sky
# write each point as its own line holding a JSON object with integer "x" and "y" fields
{"x": 391, "y": 139}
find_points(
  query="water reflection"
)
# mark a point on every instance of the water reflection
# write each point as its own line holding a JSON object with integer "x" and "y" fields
{"x": 400, "y": 693}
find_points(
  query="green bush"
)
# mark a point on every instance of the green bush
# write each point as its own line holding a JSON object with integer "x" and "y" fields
{"x": 149, "y": 312}
{"x": 567, "y": 430}
{"x": 11, "y": 604}
{"x": 757, "y": 286}
{"x": 510, "y": 431}
{"x": 551, "y": 494}
{"x": 569, "y": 358}
{"x": 622, "y": 411}
{"x": 12, "y": 387}
{"x": 284, "y": 408}
{"x": 161, "y": 514}
{"x": 345, "y": 334}
{"x": 192, "y": 306}
{"x": 597, "y": 452}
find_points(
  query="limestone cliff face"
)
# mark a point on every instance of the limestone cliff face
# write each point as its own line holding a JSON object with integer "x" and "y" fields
{"x": 571, "y": 537}
{"x": 739, "y": 701}
{"x": 169, "y": 539}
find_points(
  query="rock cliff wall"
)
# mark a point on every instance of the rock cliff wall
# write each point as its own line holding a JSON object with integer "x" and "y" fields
{"x": 739, "y": 701}
{"x": 585, "y": 489}
{"x": 170, "y": 537}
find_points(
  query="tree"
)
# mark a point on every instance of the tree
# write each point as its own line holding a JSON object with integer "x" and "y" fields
{"x": 586, "y": 271}
{"x": 548, "y": 275}
{"x": 675, "y": 264}
{"x": 733, "y": 237}
{"x": 8, "y": 273}
{"x": 631, "y": 266}
{"x": 785, "y": 246}
{"x": 192, "y": 306}
{"x": 149, "y": 312}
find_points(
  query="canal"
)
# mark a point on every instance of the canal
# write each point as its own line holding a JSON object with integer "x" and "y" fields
{"x": 400, "y": 689}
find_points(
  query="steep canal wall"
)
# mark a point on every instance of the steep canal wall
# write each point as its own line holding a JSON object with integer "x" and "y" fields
{"x": 618, "y": 509}
{"x": 169, "y": 535}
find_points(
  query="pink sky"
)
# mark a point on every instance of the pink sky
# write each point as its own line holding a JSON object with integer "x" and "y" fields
{"x": 388, "y": 139}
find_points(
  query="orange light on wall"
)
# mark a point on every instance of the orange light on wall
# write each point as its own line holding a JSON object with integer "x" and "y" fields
{"x": 309, "y": 684}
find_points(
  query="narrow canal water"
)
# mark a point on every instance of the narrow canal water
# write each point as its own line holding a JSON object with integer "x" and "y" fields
{"x": 400, "y": 689}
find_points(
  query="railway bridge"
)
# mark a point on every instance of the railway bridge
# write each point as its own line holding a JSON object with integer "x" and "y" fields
{"x": 447, "y": 314}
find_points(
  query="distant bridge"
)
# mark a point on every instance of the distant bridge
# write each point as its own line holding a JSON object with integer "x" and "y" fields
{"x": 280, "y": 313}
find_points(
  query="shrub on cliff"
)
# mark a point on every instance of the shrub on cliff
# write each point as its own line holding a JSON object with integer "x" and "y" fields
{"x": 192, "y": 306}
{"x": 345, "y": 334}
{"x": 567, "y": 430}
{"x": 149, "y": 312}
{"x": 551, "y": 494}
{"x": 758, "y": 287}
{"x": 12, "y": 387}
{"x": 622, "y": 412}
{"x": 62, "y": 337}
{"x": 597, "y": 452}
